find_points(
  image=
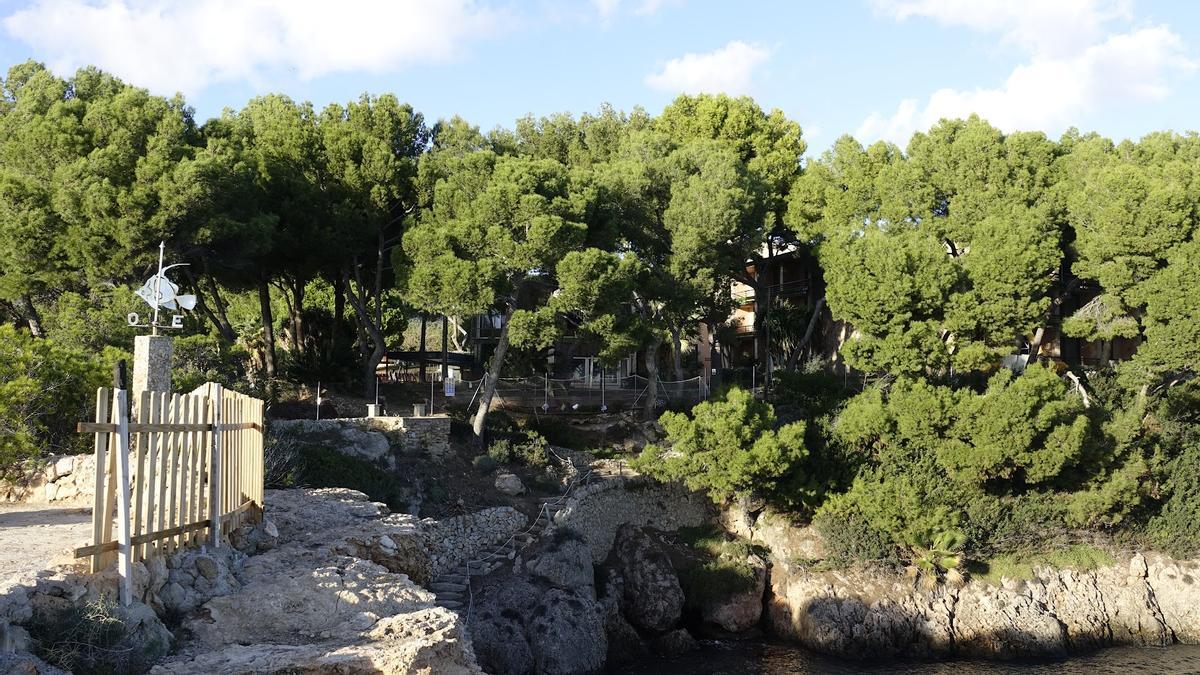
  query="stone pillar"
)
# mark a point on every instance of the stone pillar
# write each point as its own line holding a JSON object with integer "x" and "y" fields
{"x": 151, "y": 365}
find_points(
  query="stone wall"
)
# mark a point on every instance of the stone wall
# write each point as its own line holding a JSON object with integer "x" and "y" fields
{"x": 453, "y": 541}
{"x": 376, "y": 439}
{"x": 596, "y": 511}
{"x": 61, "y": 480}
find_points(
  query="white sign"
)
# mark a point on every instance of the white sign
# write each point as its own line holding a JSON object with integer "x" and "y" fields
{"x": 448, "y": 386}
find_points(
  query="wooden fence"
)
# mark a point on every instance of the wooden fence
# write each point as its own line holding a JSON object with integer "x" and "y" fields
{"x": 183, "y": 470}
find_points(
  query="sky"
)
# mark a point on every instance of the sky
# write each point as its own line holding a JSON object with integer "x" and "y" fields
{"x": 876, "y": 69}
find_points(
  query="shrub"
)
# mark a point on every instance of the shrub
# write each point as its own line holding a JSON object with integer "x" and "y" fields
{"x": 728, "y": 447}
{"x": 1021, "y": 564}
{"x": 501, "y": 451}
{"x": 532, "y": 451}
{"x": 206, "y": 358}
{"x": 485, "y": 464}
{"x": 45, "y": 388}
{"x": 322, "y": 467}
{"x": 722, "y": 568}
{"x": 283, "y": 466}
{"x": 849, "y": 537}
{"x": 91, "y": 637}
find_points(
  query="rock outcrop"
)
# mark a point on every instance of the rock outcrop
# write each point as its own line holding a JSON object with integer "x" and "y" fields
{"x": 545, "y": 618}
{"x": 651, "y": 597}
{"x": 335, "y": 593}
{"x": 739, "y": 610}
{"x": 1142, "y": 601}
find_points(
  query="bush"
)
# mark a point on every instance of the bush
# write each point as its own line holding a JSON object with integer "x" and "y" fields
{"x": 501, "y": 451}
{"x": 532, "y": 451}
{"x": 283, "y": 466}
{"x": 485, "y": 464}
{"x": 91, "y": 637}
{"x": 849, "y": 537}
{"x": 728, "y": 447}
{"x": 322, "y": 467}
{"x": 46, "y": 388}
{"x": 721, "y": 569}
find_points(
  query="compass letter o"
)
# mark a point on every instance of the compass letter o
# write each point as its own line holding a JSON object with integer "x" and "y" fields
{"x": 132, "y": 318}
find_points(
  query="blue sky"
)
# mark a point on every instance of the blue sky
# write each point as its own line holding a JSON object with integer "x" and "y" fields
{"x": 872, "y": 68}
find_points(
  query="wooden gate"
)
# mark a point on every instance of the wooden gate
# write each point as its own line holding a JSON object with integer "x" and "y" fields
{"x": 187, "y": 470}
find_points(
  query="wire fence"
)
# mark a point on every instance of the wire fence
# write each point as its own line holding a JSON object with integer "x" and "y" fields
{"x": 565, "y": 396}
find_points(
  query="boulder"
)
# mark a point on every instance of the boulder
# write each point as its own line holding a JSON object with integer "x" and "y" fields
{"x": 524, "y": 626}
{"x": 64, "y": 466}
{"x": 509, "y": 484}
{"x": 651, "y": 599}
{"x": 675, "y": 643}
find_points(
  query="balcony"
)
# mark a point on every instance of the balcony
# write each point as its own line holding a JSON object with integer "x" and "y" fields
{"x": 789, "y": 289}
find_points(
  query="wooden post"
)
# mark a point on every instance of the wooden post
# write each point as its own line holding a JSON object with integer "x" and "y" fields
{"x": 124, "y": 550}
{"x": 214, "y": 479}
{"x": 99, "y": 510}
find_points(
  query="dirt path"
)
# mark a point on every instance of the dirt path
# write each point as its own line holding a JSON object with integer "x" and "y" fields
{"x": 35, "y": 536}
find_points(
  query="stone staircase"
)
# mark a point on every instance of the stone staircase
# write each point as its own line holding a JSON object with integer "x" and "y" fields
{"x": 453, "y": 588}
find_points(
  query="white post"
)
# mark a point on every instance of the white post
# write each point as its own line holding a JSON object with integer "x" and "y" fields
{"x": 214, "y": 477}
{"x": 124, "y": 561}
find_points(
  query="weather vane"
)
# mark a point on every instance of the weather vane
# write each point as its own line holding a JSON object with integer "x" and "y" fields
{"x": 161, "y": 293}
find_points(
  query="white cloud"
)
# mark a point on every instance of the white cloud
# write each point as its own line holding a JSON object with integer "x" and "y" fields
{"x": 729, "y": 70}
{"x": 168, "y": 46}
{"x": 607, "y": 9}
{"x": 1073, "y": 68}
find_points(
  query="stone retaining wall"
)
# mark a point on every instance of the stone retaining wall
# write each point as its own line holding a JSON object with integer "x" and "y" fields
{"x": 61, "y": 480}
{"x": 376, "y": 439}
{"x": 453, "y": 541}
{"x": 597, "y": 510}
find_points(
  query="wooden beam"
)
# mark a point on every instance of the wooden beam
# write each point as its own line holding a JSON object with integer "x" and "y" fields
{"x": 162, "y": 427}
{"x": 91, "y": 549}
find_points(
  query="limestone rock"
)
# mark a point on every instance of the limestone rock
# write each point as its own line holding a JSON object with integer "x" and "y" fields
{"x": 564, "y": 562}
{"x": 428, "y": 641}
{"x": 993, "y": 622}
{"x": 741, "y": 610}
{"x": 524, "y": 626}
{"x": 1176, "y": 586}
{"x": 509, "y": 484}
{"x": 652, "y": 599}
{"x": 253, "y": 538}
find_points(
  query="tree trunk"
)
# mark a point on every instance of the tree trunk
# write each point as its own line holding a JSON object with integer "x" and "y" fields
{"x": 445, "y": 347}
{"x": 493, "y": 376}
{"x": 1035, "y": 345}
{"x": 651, "y": 402}
{"x": 339, "y": 312}
{"x": 298, "y": 313}
{"x": 369, "y": 332}
{"x": 32, "y": 318}
{"x": 264, "y": 302}
{"x": 676, "y": 356}
{"x": 424, "y": 322}
{"x": 808, "y": 333}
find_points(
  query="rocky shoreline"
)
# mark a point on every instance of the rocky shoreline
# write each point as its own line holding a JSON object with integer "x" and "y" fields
{"x": 332, "y": 583}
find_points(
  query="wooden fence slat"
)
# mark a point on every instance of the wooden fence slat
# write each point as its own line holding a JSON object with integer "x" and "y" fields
{"x": 124, "y": 553}
{"x": 110, "y": 484}
{"x": 98, "y": 503}
{"x": 139, "y": 476}
{"x": 184, "y": 469}
{"x": 214, "y": 470}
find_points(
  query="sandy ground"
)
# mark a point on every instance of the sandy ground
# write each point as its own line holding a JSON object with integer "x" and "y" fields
{"x": 36, "y": 536}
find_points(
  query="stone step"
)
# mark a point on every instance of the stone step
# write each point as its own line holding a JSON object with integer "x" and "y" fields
{"x": 450, "y": 604}
{"x": 446, "y": 586}
{"x": 448, "y": 596}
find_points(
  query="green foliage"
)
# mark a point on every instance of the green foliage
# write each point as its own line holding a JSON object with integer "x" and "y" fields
{"x": 1022, "y": 564}
{"x": 849, "y": 537}
{"x": 729, "y": 446}
{"x": 485, "y": 464}
{"x": 1176, "y": 527}
{"x": 45, "y": 389}
{"x": 720, "y": 566}
{"x": 206, "y": 358}
{"x": 531, "y": 450}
